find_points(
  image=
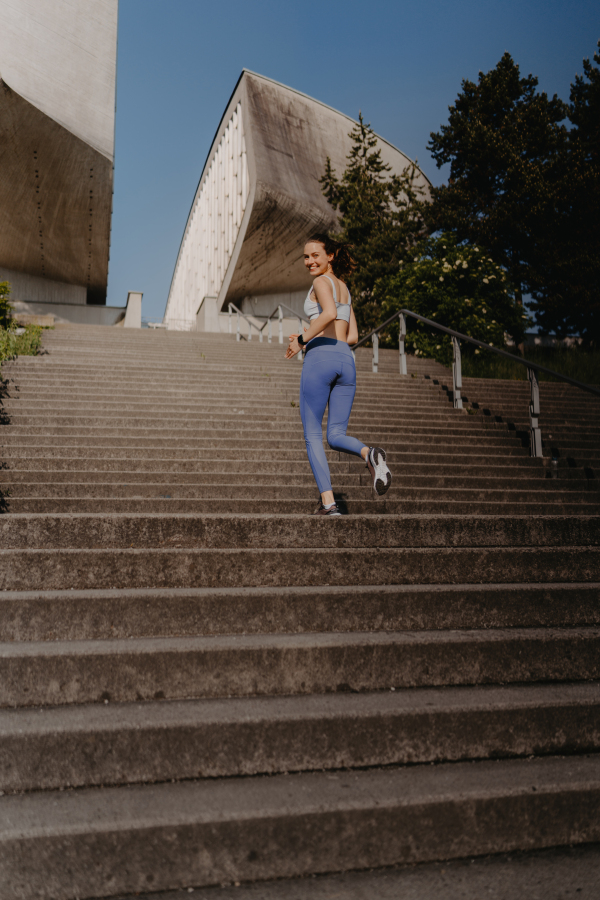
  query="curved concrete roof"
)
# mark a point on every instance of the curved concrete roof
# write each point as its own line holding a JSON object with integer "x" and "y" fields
{"x": 288, "y": 137}
{"x": 57, "y": 113}
{"x": 61, "y": 56}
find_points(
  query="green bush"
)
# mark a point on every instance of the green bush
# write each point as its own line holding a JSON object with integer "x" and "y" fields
{"x": 5, "y": 307}
{"x": 27, "y": 344}
{"x": 582, "y": 365}
{"x": 458, "y": 286}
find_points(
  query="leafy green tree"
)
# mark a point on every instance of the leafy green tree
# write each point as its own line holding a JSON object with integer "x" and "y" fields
{"x": 380, "y": 215}
{"x": 5, "y": 307}
{"x": 456, "y": 285}
{"x": 567, "y": 289}
{"x": 502, "y": 141}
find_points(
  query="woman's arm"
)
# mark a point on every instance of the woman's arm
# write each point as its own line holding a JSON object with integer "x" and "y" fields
{"x": 352, "y": 329}
{"x": 324, "y": 294}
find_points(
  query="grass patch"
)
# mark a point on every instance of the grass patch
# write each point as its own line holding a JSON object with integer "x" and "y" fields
{"x": 582, "y": 365}
{"x": 27, "y": 344}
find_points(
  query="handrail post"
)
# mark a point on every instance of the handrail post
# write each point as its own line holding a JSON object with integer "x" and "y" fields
{"x": 249, "y": 330}
{"x": 401, "y": 339}
{"x": 230, "y": 318}
{"x": 280, "y": 317}
{"x": 456, "y": 374}
{"x": 270, "y": 330}
{"x": 375, "y": 352}
{"x": 238, "y": 336}
{"x": 535, "y": 434}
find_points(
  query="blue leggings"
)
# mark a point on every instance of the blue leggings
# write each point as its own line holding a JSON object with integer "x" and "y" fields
{"x": 328, "y": 376}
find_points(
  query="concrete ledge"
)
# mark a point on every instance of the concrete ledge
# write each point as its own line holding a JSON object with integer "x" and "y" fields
{"x": 94, "y": 842}
{"x": 55, "y": 673}
{"x": 150, "y": 742}
{"x": 537, "y": 875}
{"x": 100, "y": 614}
{"x": 84, "y": 569}
{"x": 80, "y": 530}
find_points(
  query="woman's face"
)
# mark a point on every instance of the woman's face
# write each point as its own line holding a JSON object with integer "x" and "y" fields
{"x": 316, "y": 260}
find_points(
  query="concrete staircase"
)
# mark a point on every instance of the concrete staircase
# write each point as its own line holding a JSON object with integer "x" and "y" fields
{"x": 200, "y": 684}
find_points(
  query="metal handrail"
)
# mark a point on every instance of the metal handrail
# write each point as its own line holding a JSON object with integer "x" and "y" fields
{"x": 279, "y": 310}
{"x": 251, "y": 325}
{"x": 457, "y": 336}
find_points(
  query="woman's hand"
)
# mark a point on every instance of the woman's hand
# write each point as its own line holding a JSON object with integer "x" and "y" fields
{"x": 293, "y": 348}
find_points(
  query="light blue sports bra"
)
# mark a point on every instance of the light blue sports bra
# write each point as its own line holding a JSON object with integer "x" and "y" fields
{"x": 312, "y": 309}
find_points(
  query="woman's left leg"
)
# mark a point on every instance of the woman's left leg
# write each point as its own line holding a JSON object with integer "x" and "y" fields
{"x": 340, "y": 407}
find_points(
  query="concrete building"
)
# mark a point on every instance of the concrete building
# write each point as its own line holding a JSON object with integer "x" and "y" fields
{"x": 57, "y": 118}
{"x": 257, "y": 200}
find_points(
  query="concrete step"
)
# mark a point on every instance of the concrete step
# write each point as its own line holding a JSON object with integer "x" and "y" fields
{"x": 236, "y": 398}
{"x": 285, "y": 417}
{"x": 53, "y": 673}
{"x": 512, "y": 467}
{"x": 290, "y": 438}
{"x": 182, "y": 567}
{"x": 259, "y": 449}
{"x": 151, "y": 482}
{"x": 550, "y": 874}
{"x": 283, "y": 410}
{"x": 146, "y": 449}
{"x": 501, "y": 505}
{"x": 96, "y": 841}
{"x": 76, "y": 615}
{"x": 293, "y": 532}
{"x": 199, "y": 424}
{"x": 128, "y": 743}
{"x": 259, "y": 488}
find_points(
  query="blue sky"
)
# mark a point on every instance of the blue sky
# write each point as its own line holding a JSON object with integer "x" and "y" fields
{"x": 400, "y": 63}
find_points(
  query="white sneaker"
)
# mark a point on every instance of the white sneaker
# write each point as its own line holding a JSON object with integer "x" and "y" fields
{"x": 377, "y": 466}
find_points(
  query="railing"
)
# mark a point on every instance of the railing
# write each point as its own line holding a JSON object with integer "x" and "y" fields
{"x": 532, "y": 368}
{"x": 277, "y": 311}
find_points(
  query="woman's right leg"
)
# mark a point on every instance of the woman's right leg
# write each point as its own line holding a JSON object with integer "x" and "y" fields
{"x": 315, "y": 385}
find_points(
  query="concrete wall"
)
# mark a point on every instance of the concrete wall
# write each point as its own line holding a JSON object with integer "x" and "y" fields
{"x": 32, "y": 288}
{"x": 74, "y": 313}
{"x": 265, "y": 304}
{"x": 61, "y": 56}
{"x": 213, "y": 224}
{"x": 133, "y": 314}
{"x": 57, "y": 98}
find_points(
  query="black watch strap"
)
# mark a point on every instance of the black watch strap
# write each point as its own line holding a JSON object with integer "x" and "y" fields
{"x": 301, "y": 340}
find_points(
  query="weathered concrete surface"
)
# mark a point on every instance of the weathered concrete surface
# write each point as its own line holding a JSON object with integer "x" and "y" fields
{"x": 57, "y": 113}
{"x": 93, "y": 841}
{"x": 120, "y": 613}
{"x": 56, "y": 672}
{"x": 70, "y": 78}
{"x": 77, "y": 530}
{"x": 156, "y": 663}
{"x": 538, "y": 875}
{"x": 54, "y": 186}
{"x": 24, "y": 570}
{"x": 151, "y": 742}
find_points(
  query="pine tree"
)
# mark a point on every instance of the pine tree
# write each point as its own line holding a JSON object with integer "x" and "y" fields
{"x": 503, "y": 141}
{"x": 567, "y": 293}
{"x": 381, "y": 217}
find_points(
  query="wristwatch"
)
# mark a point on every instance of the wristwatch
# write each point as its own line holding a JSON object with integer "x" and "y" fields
{"x": 301, "y": 340}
